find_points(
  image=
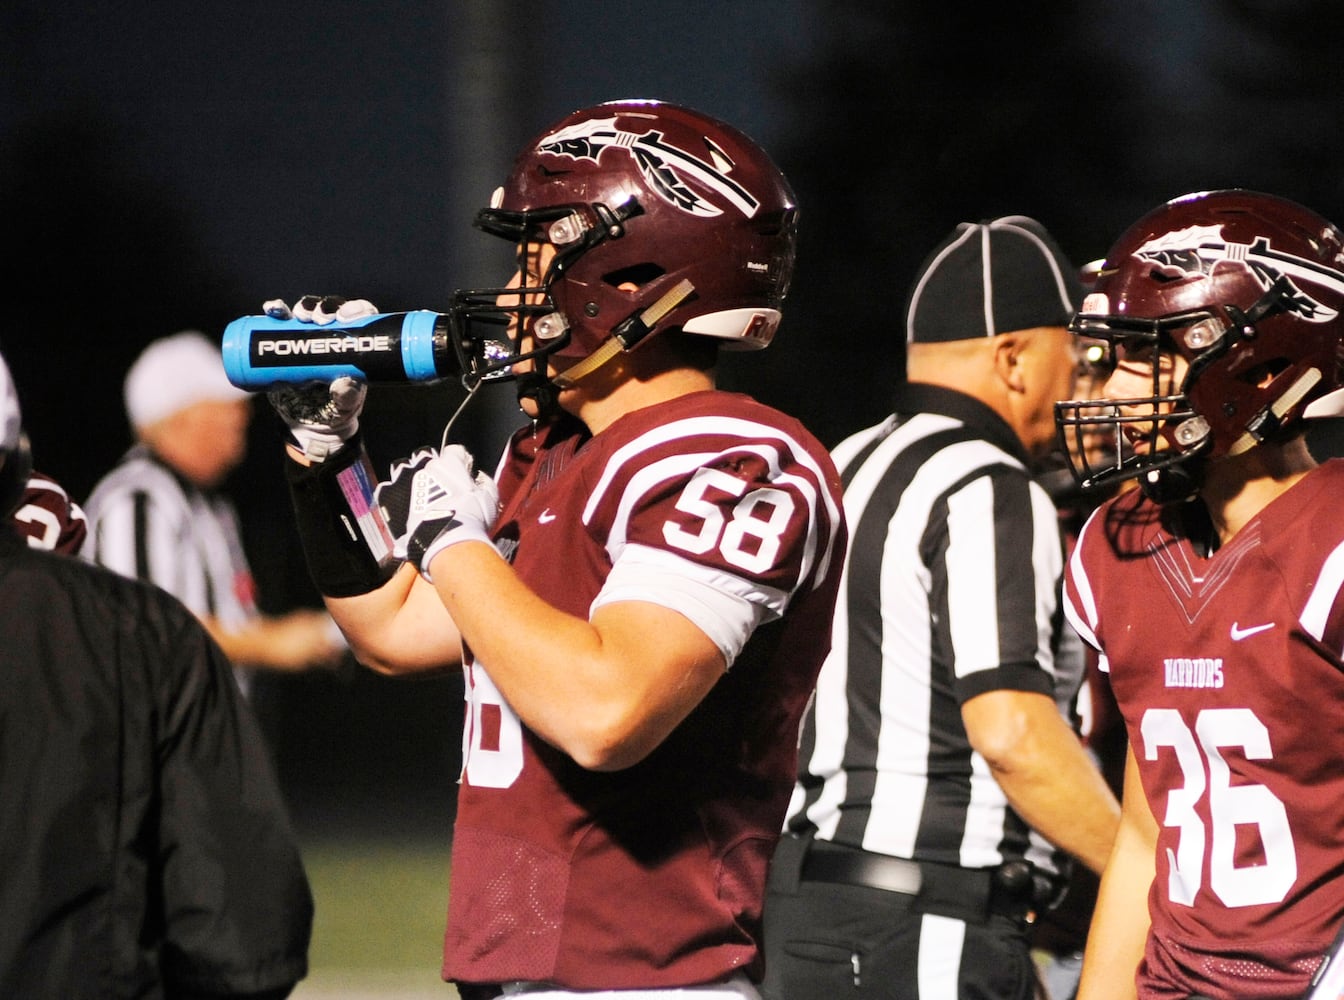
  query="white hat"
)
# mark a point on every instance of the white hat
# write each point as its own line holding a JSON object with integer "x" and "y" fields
{"x": 11, "y": 425}
{"x": 174, "y": 373}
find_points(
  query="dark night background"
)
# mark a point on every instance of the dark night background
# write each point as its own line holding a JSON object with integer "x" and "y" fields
{"x": 165, "y": 166}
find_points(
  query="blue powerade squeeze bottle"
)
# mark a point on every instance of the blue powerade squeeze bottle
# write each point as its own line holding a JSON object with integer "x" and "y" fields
{"x": 261, "y": 351}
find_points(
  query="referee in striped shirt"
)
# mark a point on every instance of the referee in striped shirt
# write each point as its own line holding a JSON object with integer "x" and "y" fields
{"x": 160, "y": 514}
{"x": 939, "y": 780}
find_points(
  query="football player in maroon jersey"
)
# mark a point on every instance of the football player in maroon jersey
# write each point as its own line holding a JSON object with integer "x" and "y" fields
{"x": 48, "y": 518}
{"x": 1213, "y": 595}
{"x": 640, "y": 597}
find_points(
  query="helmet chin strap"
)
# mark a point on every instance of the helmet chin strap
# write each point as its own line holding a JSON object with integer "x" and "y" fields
{"x": 626, "y": 335}
{"x": 1268, "y": 420}
{"x": 1175, "y": 483}
{"x": 542, "y": 391}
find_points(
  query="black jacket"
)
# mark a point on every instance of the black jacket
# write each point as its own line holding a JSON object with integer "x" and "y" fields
{"x": 144, "y": 848}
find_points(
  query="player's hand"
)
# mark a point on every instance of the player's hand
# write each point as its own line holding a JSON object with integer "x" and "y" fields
{"x": 434, "y": 500}
{"x": 321, "y": 416}
{"x": 303, "y": 639}
{"x": 320, "y": 309}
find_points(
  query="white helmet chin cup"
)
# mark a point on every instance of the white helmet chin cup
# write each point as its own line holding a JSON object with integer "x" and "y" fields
{"x": 1329, "y": 405}
{"x": 745, "y": 329}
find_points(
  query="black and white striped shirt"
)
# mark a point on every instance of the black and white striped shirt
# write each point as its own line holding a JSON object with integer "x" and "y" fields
{"x": 950, "y": 589}
{"x": 147, "y": 522}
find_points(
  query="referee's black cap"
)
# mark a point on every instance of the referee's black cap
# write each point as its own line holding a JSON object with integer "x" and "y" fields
{"x": 992, "y": 277}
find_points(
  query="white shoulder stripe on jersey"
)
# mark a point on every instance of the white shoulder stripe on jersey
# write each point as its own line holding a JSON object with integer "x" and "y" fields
{"x": 1077, "y": 623}
{"x": 1324, "y": 594}
{"x": 726, "y": 608}
{"x": 1084, "y": 619}
{"x": 48, "y": 486}
{"x": 756, "y": 439}
{"x": 651, "y": 476}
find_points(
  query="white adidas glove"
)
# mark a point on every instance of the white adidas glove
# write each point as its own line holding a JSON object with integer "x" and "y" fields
{"x": 320, "y": 416}
{"x": 434, "y": 500}
{"x": 320, "y": 309}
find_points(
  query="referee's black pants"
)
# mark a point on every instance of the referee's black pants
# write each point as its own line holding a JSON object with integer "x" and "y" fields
{"x": 826, "y": 940}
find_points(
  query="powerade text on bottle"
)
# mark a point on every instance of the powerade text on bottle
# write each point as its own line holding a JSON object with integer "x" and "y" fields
{"x": 260, "y": 351}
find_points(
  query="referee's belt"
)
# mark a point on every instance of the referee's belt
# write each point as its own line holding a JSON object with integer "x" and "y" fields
{"x": 1014, "y": 889}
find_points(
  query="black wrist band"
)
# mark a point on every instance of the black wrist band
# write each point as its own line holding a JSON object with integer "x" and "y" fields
{"x": 345, "y": 541}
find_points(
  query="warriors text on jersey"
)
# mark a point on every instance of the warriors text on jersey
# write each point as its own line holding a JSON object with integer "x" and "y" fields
{"x": 655, "y": 875}
{"x": 1229, "y": 675}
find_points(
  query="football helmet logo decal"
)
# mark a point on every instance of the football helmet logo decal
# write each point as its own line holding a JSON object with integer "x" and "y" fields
{"x": 1197, "y": 250}
{"x": 664, "y": 166}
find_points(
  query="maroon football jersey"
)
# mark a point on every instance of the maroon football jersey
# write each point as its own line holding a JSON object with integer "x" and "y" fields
{"x": 654, "y": 875}
{"x": 48, "y": 518}
{"x": 1228, "y": 672}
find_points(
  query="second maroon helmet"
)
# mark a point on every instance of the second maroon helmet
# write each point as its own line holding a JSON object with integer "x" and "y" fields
{"x": 1249, "y": 289}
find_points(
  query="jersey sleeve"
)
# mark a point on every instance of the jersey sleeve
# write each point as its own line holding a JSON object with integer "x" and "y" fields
{"x": 995, "y": 560}
{"x": 1323, "y": 613}
{"x": 1080, "y": 603}
{"x": 48, "y": 518}
{"x": 722, "y": 520}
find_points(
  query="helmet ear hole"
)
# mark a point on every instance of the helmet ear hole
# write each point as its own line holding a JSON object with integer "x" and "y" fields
{"x": 638, "y": 275}
{"x": 1262, "y": 374}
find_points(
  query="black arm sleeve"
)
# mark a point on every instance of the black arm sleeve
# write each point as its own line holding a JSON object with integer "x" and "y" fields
{"x": 345, "y": 541}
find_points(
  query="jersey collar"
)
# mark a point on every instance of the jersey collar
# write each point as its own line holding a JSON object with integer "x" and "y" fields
{"x": 920, "y": 397}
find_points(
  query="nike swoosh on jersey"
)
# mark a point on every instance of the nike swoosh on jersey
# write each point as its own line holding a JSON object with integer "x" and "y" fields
{"x": 1242, "y": 633}
{"x": 545, "y": 517}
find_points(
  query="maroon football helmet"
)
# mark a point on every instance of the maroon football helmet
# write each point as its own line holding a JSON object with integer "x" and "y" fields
{"x": 1249, "y": 289}
{"x": 684, "y": 207}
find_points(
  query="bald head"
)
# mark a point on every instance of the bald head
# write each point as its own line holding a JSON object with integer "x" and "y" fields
{"x": 1020, "y": 375}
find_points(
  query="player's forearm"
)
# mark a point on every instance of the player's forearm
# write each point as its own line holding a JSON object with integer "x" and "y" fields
{"x": 295, "y": 641}
{"x": 400, "y": 628}
{"x": 599, "y": 690}
{"x": 1119, "y": 929}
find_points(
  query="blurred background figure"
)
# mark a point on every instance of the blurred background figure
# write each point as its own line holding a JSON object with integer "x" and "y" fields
{"x": 144, "y": 844}
{"x": 160, "y": 516}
